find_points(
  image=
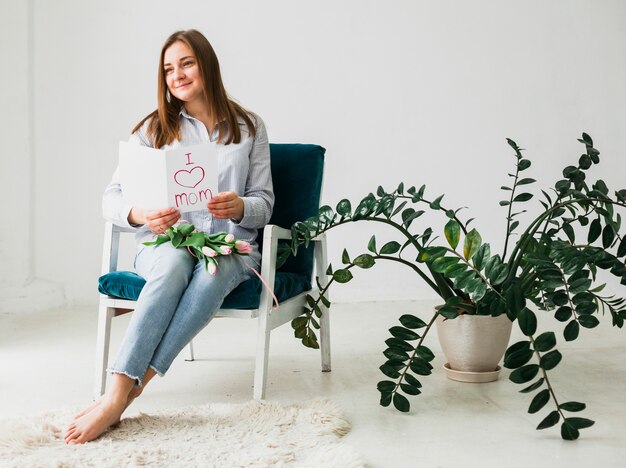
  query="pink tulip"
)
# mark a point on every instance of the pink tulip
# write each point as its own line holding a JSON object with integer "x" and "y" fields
{"x": 225, "y": 250}
{"x": 212, "y": 268}
{"x": 229, "y": 238}
{"x": 209, "y": 252}
{"x": 243, "y": 247}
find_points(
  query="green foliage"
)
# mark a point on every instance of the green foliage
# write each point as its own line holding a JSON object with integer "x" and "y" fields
{"x": 549, "y": 264}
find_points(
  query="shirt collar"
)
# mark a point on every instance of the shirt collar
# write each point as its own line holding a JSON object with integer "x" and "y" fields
{"x": 184, "y": 113}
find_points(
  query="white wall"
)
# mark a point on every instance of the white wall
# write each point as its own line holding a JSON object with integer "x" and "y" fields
{"x": 15, "y": 155}
{"x": 414, "y": 91}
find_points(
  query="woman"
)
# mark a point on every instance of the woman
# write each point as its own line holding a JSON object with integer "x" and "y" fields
{"x": 180, "y": 297}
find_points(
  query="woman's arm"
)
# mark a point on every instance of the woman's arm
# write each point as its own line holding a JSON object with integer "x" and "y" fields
{"x": 258, "y": 199}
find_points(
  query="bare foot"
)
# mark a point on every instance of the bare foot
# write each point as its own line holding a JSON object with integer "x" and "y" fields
{"x": 92, "y": 424}
{"x": 134, "y": 393}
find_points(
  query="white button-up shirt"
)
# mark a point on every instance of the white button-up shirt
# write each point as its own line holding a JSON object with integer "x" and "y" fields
{"x": 244, "y": 169}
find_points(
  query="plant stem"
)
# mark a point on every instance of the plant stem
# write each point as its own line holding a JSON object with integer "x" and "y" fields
{"x": 412, "y": 356}
{"x": 547, "y": 380}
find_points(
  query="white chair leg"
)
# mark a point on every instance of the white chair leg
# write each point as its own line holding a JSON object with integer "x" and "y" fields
{"x": 189, "y": 352}
{"x": 262, "y": 356}
{"x": 325, "y": 339}
{"x": 105, "y": 315}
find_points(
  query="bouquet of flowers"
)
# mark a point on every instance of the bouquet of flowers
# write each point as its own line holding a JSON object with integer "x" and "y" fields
{"x": 201, "y": 245}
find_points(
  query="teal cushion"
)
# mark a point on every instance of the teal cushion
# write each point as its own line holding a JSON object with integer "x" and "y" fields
{"x": 128, "y": 285}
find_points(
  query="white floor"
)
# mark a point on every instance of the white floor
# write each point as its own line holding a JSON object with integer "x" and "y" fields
{"x": 46, "y": 362}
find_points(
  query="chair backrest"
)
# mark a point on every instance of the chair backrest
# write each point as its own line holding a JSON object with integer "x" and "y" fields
{"x": 297, "y": 173}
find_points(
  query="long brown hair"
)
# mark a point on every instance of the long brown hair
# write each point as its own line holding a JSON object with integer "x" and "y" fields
{"x": 164, "y": 126}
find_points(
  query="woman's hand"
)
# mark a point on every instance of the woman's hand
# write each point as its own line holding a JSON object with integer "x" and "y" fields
{"x": 156, "y": 220}
{"x": 226, "y": 205}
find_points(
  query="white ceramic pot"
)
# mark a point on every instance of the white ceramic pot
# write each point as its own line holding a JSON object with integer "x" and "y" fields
{"x": 474, "y": 345}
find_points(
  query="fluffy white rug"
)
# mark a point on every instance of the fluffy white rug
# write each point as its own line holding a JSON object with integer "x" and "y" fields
{"x": 253, "y": 434}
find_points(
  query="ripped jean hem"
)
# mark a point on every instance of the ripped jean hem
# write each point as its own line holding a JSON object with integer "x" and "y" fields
{"x": 135, "y": 378}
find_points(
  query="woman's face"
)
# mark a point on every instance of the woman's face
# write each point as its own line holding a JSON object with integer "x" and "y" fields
{"x": 182, "y": 74}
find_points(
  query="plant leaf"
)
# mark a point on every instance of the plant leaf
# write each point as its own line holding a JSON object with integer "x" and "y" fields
{"x": 471, "y": 244}
{"x": 452, "y": 231}
{"x": 524, "y": 374}
{"x": 411, "y": 321}
{"x": 550, "y": 420}
{"x": 550, "y": 360}
{"x": 342, "y": 276}
{"x": 539, "y": 401}
{"x": 401, "y": 403}
{"x": 572, "y": 406}
{"x": 390, "y": 248}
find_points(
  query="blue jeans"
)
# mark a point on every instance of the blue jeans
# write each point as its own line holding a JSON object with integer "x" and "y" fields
{"x": 179, "y": 299}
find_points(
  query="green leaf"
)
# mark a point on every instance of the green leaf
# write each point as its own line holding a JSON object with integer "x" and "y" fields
{"x": 177, "y": 239}
{"x": 570, "y": 333}
{"x": 545, "y": 342}
{"x": 424, "y": 353}
{"x": 551, "y": 360}
{"x": 471, "y": 244}
{"x": 550, "y": 420}
{"x": 560, "y": 298}
{"x": 595, "y": 229}
{"x": 421, "y": 367}
{"x": 588, "y": 321}
{"x": 449, "y": 312}
{"x": 523, "y": 164}
{"x": 563, "y": 314}
{"x": 403, "y": 333}
{"x": 390, "y": 248}
{"x": 518, "y": 358}
{"x": 569, "y": 232}
{"x": 522, "y": 197}
{"x": 410, "y": 389}
{"x": 411, "y": 321}
{"x": 524, "y": 374}
{"x": 395, "y": 354}
{"x": 386, "y": 386}
{"x": 580, "y": 423}
{"x": 533, "y": 387}
{"x": 442, "y": 263}
{"x": 481, "y": 256}
{"x": 371, "y": 245}
{"x": 398, "y": 343}
{"x": 519, "y": 346}
{"x": 436, "y": 204}
{"x": 608, "y": 235}
{"x": 342, "y": 276}
{"x": 186, "y": 229}
{"x": 399, "y": 208}
{"x": 401, "y": 403}
{"x": 525, "y": 181}
{"x": 344, "y": 207}
{"x": 572, "y": 406}
{"x": 364, "y": 261}
{"x": 539, "y": 401}
{"x": 452, "y": 231}
{"x": 389, "y": 371}
{"x": 345, "y": 258}
{"x": 568, "y": 431}
{"x": 412, "y": 380}
{"x": 621, "y": 249}
{"x": 385, "y": 398}
{"x": 584, "y": 162}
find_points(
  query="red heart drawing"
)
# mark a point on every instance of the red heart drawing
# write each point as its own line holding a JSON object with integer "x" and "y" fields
{"x": 188, "y": 178}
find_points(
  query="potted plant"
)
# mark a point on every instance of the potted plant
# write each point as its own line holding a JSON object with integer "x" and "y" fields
{"x": 550, "y": 266}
